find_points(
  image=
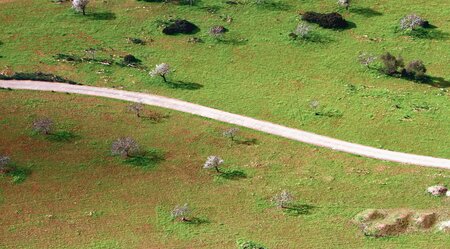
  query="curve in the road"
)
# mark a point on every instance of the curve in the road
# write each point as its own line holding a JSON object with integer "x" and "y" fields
{"x": 264, "y": 126}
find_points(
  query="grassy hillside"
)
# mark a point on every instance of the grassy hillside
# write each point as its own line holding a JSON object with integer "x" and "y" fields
{"x": 258, "y": 71}
{"x": 79, "y": 196}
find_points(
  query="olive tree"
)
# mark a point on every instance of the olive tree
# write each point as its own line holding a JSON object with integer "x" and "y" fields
{"x": 80, "y": 5}
{"x": 43, "y": 125}
{"x": 283, "y": 199}
{"x": 182, "y": 212}
{"x": 213, "y": 162}
{"x": 136, "y": 108}
{"x": 161, "y": 70}
{"x": 416, "y": 69}
{"x": 125, "y": 147}
{"x": 412, "y": 21}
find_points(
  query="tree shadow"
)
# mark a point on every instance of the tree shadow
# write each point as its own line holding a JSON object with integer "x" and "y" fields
{"x": 61, "y": 136}
{"x": 151, "y": 1}
{"x": 197, "y": 221}
{"x": 233, "y": 174}
{"x": 184, "y": 85}
{"x": 314, "y": 37}
{"x": 38, "y": 76}
{"x": 102, "y": 16}
{"x": 428, "y": 33}
{"x": 298, "y": 209}
{"x": 364, "y": 11}
{"x": 275, "y": 6}
{"x": 245, "y": 141}
{"x": 233, "y": 41}
{"x": 146, "y": 159}
{"x": 434, "y": 81}
{"x": 350, "y": 25}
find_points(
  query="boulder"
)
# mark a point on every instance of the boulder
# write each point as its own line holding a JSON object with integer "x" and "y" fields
{"x": 437, "y": 190}
{"x": 180, "y": 27}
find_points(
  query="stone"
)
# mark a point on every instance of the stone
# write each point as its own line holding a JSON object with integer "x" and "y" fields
{"x": 444, "y": 226}
{"x": 437, "y": 190}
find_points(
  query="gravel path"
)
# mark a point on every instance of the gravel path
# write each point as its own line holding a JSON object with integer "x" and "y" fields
{"x": 267, "y": 127}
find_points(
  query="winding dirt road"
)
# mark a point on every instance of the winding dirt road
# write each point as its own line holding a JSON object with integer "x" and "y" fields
{"x": 267, "y": 127}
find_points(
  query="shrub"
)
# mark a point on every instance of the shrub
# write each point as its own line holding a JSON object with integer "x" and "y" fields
{"x": 217, "y": 31}
{"x": 391, "y": 64}
{"x": 412, "y": 21}
{"x": 180, "y": 27}
{"x": 136, "y": 40}
{"x": 366, "y": 59}
{"x": 416, "y": 69}
{"x": 4, "y": 164}
{"x": 283, "y": 199}
{"x": 181, "y": 212}
{"x": 129, "y": 59}
{"x": 329, "y": 20}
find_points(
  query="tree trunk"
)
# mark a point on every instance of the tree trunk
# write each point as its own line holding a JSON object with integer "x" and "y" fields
{"x": 164, "y": 78}
{"x": 217, "y": 169}
{"x": 84, "y": 11}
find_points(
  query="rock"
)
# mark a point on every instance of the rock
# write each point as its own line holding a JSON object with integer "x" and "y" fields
{"x": 180, "y": 27}
{"x": 425, "y": 220}
{"x": 391, "y": 227}
{"x": 447, "y": 193}
{"x": 437, "y": 190}
{"x": 195, "y": 40}
{"x": 444, "y": 226}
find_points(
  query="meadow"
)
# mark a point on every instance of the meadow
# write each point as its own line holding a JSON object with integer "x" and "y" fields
{"x": 77, "y": 195}
{"x": 257, "y": 70}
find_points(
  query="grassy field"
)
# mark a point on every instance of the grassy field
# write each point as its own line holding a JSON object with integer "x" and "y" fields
{"x": 258, "y": 71}
{"x": 79, "y": 196}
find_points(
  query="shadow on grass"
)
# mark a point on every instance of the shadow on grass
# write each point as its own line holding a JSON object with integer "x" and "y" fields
{"x": 245, "y": 141}
{"x": 62, "y": 136}
{"x": 432, "y": 81}
{"x": 233, "y": 175}
{"x": 351, "y": 25}
{"x": 147, "y": 159}
{"x": 298, "y": 209}
{"x": 37, "y": 76}
{"x": 428, "y": 33}
{"x": 366, "y": 12}
{"x": 233, "y": 41}
{"x": 184, "y": 85}
{"x": 18, "y": 174}
{"x": 196, "y": 221}
{"x": 102, "y": 16}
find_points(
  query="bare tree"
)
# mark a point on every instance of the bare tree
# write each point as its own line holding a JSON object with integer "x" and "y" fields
{"x": 366, "y": 59}
{"x": 344, "y": 3}
{"x": 283, "y": 199}
{"x": 217, "y": 31}
{"x": 125, "y": 147}
{"x": 182, "y": 212}
{"x": 302, "y": 31}
{"x": 161, "y": 70}
{"x": 4, "y": 162}
{"x": 43, "y": 125}
{"x": 231, "y": 133}
{"x": 136, "y": 108}
{"x": 80, "y": 5}
{"x": 213, "y": 162}
{"x": 412, "y": 21}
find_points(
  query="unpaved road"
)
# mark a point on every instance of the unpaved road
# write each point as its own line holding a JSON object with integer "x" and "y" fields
{"x": 267, "y": 127}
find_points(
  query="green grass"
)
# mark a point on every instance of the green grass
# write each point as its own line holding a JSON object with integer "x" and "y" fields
{"x": 79, "y": 196}
{"x": 259, "y": 71}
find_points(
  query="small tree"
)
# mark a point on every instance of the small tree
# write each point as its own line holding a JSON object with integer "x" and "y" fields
{"x": 366, "y": 59}
{"x": 231, "y": 133}
{"x": 181, "y": 212}
{"x": 301, "y": 31}
{"x": 412, "y": 22}
{"x": 416, "y": 69}
{"x": 4, "y": 163}
{"x": 136, "y": 108}
{"x": 80, "y": 5}
{"x": 391, "y": 64}
{"x": 283, "y": 199}
{"x": 43, "y": 125}
{"x": 213, "y": 162}
{"x": 344, "y": 3}
{"x": 125, "y": 147}
{"x": 161, "y": 70}
{"x": 217, "y": 31}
